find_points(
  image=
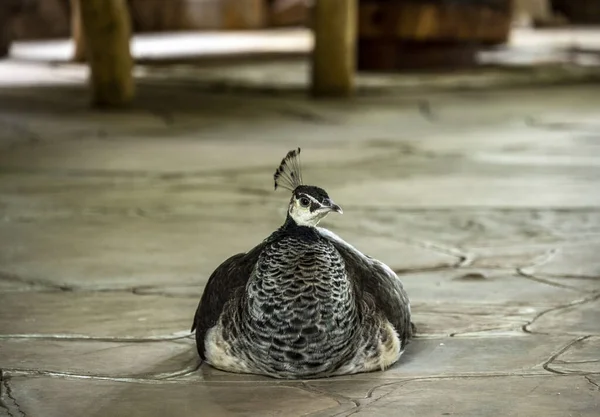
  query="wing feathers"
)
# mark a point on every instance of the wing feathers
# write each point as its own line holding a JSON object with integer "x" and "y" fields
{"x": 220, "y": 289}
{"x": 379, "y": 281}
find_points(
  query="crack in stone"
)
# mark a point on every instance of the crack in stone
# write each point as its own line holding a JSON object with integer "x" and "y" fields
{"x": 11, "y": 396}
{"x": 542, "y": 260}
{"x": 363, "y": 406}
{"x": 526, "y": 327}
{"x": 592, "y": 382}
{"x": 149, "y": 290}
{"x": 2, "y": 403}
{"x": 164, "y": 376}
{"x": 463, "y": 258}
{"x": 475, "y": 333}
{"x": 531, "y": 277}
{"x": 41, "y": 286}
{"x": 340, "y": 399}
{"x": 548, "y": 362}
{"x": 401, "y": 383}
{"x": 77, "y": 337}
{"x": 167, "y": 377}
{"x": 559, "y": 361}
{"x": 13, "y": 278}
{"x": 573, "y": 276}
{"x": 406, "y": 271}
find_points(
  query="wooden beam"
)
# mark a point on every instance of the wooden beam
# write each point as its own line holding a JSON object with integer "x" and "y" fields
{"x": 107, "y": 32}
{"x": 334, "y": 55}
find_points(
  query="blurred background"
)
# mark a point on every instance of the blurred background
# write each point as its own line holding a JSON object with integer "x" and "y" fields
{"x": 557, "y": 37}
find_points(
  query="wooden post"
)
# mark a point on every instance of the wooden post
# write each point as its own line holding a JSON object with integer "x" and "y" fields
{"x": 77, "y": 32}
{"x": 107, "y": 32}
{"x": 334, "y": 55}
{"x": 5, "y": 32}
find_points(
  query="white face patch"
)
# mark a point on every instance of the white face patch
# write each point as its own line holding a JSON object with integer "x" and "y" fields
{"x": 302, "y": 215}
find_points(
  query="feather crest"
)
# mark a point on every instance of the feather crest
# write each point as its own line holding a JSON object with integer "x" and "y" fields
{"x": 289, "y": 173}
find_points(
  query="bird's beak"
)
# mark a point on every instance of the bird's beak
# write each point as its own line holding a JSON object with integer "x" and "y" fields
{"x": 334, "y": 207}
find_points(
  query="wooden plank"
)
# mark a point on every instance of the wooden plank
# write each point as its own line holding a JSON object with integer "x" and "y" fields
{"x": 107, "y": 32}
{"x": 432, "y": 22}
{"x": 334, "y": 54}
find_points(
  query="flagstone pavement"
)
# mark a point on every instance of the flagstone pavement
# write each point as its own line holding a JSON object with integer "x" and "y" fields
{"x": 486, "y": 202}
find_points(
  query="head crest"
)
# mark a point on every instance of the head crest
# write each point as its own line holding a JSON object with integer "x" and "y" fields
{"x": 289, "y": 175}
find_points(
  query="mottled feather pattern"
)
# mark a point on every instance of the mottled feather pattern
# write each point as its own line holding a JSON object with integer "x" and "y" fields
{"x": 305, "y": 312}
{"x": 376, "y": 281}
{"x": 300, "y": 308}
{"x": 220, "y": 289}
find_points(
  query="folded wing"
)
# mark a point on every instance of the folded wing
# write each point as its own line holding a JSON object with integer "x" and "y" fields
{"x": 376, "y": 281}
{"x": 223, "y": 285}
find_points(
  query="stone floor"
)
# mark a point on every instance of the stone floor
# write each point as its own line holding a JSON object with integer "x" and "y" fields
{"x": 485, "y": 202}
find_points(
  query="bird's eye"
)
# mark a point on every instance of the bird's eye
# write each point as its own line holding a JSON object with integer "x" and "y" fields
{"x": 304, "y": 202}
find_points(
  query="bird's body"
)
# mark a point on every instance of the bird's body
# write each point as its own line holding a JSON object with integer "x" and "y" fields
{"x": 303, "y": 304}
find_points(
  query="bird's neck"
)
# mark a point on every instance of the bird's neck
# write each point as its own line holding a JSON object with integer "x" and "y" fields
{"x": 290, "y": 224}
{"x": 291, "y": 227}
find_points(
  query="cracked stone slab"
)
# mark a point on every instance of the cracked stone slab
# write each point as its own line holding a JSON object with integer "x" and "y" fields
{"x": 576, "y": 264}
{"x": 159, "y": 359}
{"x": 579, "y": 320}
{"x": 508, "y": 257}
{"x": 360, "y": 391}
{"x": 133, "y": 251}
{"x": 478, "y": 355}
{"x": 486, "y": 287}
{"x": 581, "y": 358}
{"x": 489, "y": 232}
{"x": 58, "y": 397}
{"x": 470, "y": 319}
{"x": 88, "y": 196}
{"x": 100, "y": 315}
{"x": 509, "y": 396}
{"x": 124, "y": 254}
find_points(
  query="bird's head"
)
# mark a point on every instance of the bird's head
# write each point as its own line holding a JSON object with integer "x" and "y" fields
{"x": 309, "y": 204}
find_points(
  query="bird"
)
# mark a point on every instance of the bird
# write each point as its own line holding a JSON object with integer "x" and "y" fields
{"x": 303, "y": 303}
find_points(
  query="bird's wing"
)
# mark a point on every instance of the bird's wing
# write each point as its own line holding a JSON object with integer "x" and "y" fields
{"x": 379, "y": 281}
{"x": 223, "y": 284}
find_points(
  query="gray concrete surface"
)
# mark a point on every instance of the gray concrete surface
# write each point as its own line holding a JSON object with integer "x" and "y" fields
{"x": 486, "y": 203}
